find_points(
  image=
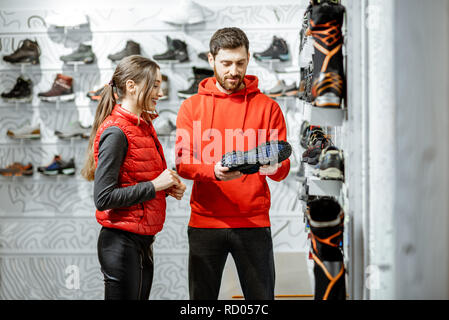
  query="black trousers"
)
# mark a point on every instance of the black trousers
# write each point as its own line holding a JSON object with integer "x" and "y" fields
{"x": 126, "y": 261}
{"x": 252, "y": 251}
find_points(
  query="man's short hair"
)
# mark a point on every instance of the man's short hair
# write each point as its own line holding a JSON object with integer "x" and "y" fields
{"x": 228, "y": 38}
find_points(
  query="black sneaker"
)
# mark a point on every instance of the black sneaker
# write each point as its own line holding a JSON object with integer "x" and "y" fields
{"x": 199, "y": 75}
{"x": 84, "y": 54}
{"x": 131, "y": 48}
{"x": 326, "y": 21}
{"x": 28, "y": 52}
{"x": 176, "y": 51}
{"x": 249, "y": 162}
{"x": 22, "y": 91}
{"x": 278, "y": 50}
{"x": 58, "y": 166}
{"x": 326, "y": 220}
{"x": 331, "y": 164}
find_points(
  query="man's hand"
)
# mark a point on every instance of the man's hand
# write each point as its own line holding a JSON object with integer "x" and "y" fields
{"x": 268, "y": 170}
{"x": 177, "y": 190}
{"x": 223, "y": 174}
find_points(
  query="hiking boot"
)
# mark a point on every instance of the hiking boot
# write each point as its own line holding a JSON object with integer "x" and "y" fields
{"x": 28, "y": 52}
{"x": 17, "y": 169}
{"x": 74, "y": 130}
{"x": 176, "y": 51}
{"x": 326, "y": 21}
{"x": 199, "y": 75}
{"x": 278, "y": 50}
{"x": 331, "y": 165}
{"x": 84, "y": 54}
{"x": 249, "y": 162}
{"x": 22, "y": 91}
{"x": 25, "y": 132}
{"x": 317, "y": 143}
{"x": 326, "y": 220}
{"x": 61, "y": 90}
{"x": 131, "y": 48}
{"x": 58, "y": 166}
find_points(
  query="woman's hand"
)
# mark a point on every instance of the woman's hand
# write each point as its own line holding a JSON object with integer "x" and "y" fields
{"x": 176, "y": 191}
{"x": 165, "y": 180}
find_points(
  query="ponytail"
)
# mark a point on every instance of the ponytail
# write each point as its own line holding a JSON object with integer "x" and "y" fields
{"x": 104, "y": 109}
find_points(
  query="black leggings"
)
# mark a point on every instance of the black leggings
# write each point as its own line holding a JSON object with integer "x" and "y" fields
{"x": 126, "y": 261}
{"x": 252, "y": 250}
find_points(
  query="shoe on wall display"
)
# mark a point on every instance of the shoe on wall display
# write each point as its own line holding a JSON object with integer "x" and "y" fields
{"x": 62, "y": 90}
{"x": 278, "y": 50}
{"x": 25, "y": 132}
{"x": 58, "y": 166}
{"x": 176, "y": 51}
{"x": 95, "y": 95}
{"x": 27, "y": 52}
{"x": 331, "y": 164}
{"x": 326, "y": 220}
{"x": 21, "y": 92}
{"x": 74, "y": 130}
{"x": 184, "y": 12}
{"x": 199, "y": 74}
{"x": 130, "y": 49}
{"x": 17, "y": 169}
{"x": 83, "y": 54}
{"x": 326, "y": 22}
{"x": 165, "y": 87}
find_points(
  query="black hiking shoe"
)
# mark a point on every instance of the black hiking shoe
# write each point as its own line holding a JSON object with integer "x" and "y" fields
{"x": 176, "y": 51}
{"x": 22, "y": 91}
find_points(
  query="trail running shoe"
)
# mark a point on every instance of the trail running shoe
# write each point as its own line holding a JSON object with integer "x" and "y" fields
{"x": 25, "y": 132}
{"x": 331, "y": 165}
{"x": 249, "y": 162}
{"x": 17, "y": 169}
{"x": 58, "y": 166}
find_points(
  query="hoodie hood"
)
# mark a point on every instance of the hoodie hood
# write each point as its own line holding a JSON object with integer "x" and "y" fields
{"x": 208, "y": 87}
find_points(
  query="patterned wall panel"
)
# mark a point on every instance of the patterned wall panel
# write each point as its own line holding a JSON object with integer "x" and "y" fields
{"x": 48, "y": 231}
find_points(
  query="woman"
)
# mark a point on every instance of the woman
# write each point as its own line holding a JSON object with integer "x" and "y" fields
{"x": 131, "y": 179}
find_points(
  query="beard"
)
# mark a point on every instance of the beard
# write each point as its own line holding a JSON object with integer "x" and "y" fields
{"x": 233, "y": 87}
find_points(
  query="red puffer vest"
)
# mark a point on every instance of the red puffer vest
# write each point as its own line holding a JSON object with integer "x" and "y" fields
{"x": 144, "y": 161}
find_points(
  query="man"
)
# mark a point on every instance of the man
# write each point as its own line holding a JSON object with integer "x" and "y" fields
{"x": 229, "y": 210}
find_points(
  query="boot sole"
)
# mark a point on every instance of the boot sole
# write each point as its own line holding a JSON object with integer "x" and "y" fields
{"x": 249, "y": 161}
{"x": 67, "y": 97}
{"x": 330, "y": 174}
{"x": 67, "y": 172}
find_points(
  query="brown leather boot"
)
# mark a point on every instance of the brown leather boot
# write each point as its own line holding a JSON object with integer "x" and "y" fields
{"x": 61, "y": 90}
{"x": 28, "y": 52}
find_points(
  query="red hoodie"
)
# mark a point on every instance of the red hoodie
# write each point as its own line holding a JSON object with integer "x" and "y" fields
{"x": 248, "y": 115}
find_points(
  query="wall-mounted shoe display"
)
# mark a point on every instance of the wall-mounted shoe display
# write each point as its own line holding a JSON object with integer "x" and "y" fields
{"x": 83, "y": 54}
{"x": 61, "y": 90}
{"x": 58, "y": 166}
{"x": 21, "y": 92}
{"x": 317, "y": 142}
{"x": 27, "y": 52}
{"x": 199, "y": 74}
{"x": 278, "y": 50}
{"x": 25, "y": 132}
{"x": 176, "y": 51}
{"x": 17, "y": 169}
{"x": 130, "y": 49}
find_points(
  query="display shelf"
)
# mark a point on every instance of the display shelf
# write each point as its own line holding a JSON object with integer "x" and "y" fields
{"x": 318, "y": 187}
{"x": 321, "y": 116}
